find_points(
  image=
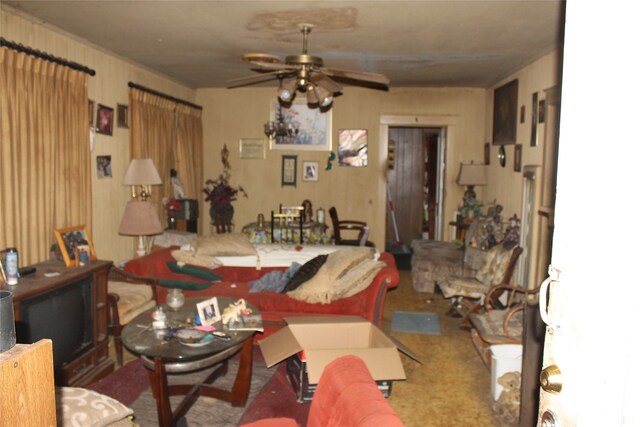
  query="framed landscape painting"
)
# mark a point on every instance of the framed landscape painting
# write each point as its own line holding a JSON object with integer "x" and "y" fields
{"x": 505, "y": 113}
{"x": 310, "y": 127}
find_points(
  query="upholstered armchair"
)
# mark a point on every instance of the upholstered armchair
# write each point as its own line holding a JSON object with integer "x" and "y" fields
{"x": 497, "y": 267}
{"x": 128, "y": 296}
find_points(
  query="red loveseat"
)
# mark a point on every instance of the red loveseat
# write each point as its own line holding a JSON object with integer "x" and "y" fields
{"x": 368, "y": 304}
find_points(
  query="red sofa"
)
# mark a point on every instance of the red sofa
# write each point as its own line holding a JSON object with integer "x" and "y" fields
{"x": 274, "y": 307}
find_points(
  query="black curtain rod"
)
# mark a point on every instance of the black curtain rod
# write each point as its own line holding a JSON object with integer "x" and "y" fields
{"x": 45, "y": 56}
{"x": 162, "y": 95}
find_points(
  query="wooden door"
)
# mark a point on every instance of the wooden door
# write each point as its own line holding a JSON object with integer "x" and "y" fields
{"x": 430, "y": 184}
{"x": 406, "y": 185}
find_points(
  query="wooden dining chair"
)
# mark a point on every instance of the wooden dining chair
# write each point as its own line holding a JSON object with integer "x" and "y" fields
{"x": 349, "y": 225}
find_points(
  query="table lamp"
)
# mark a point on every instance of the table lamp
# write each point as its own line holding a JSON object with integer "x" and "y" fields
{"x": 140, "y": 219}
{"x": 141, "y": 172}
{"x": 471, "y": 174}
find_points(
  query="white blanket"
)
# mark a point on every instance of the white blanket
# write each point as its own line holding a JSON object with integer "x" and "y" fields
{"x": 276, "y": 255}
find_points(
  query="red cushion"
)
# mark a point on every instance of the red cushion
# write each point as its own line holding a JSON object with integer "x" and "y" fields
{"x": 273, "y": 422}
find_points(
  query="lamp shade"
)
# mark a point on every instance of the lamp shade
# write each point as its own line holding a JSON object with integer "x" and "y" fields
{"x": 142, "y": 172}
{"x": 472, "y": 174}
{"x": 140, "y": 218}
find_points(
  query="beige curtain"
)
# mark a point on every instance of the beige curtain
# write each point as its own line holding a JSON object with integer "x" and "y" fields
{"x": 188, "y": 150}
{"x": 45, "y": 180}
{"x": 170, "y": 134}
{"x": 152, "y": 136}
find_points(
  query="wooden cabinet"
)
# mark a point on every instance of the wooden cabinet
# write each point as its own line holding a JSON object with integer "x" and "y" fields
{"x": 69, "y": 306}
{"x": 27, "y": 394}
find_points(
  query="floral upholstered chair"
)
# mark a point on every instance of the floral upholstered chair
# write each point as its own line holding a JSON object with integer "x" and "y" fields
{"x": 498, "y": 265}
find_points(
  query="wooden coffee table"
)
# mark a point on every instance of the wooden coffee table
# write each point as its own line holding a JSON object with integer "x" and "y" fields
{"x": 163, "y": 357}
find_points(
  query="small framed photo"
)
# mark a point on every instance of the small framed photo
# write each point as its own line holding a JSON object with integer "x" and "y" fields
{"x": 92, "y": 109}
{"x": 105, "y": 120}
{"x": 517, "y": 158}
{"x": 289, "y": 170}
{"x": 209, "y": 311}
{"x": 75, "y": 245}
{"x": 487, "y": 153}
{"x": 309, "y": 171}
{"x": 103, "y": 166}
{"x": 123, "y": 116}
{"x": 251, "y": 148}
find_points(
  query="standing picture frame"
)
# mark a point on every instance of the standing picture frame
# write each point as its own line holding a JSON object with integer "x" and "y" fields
{"x": 310, "y": 127}
{"x": 505, "y": 113}
{"x": 209, "y": 311}
{"x": 104, "y": 122}
{"x": 74, "y": 244}
{"x": 289, "y": 170}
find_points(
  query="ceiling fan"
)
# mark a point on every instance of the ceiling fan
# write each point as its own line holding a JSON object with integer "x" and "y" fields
{"x": 305, "y": 73}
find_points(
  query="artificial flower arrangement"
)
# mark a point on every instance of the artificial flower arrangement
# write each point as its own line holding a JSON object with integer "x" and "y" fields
{"x": 219, "y": 193}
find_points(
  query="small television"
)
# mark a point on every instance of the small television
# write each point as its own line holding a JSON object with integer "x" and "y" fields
{"x": 64, "y": 315}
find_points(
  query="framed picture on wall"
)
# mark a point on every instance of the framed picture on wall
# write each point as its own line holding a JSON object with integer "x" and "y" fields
{"x": 298, "y": 127}
{"x": 289, "y": 170}
{"x": 352, "y": 147}
{"x": 517, "y": 158}
{"x": 252, "y": 148}
{"x": 309, "y": 171}
{"x": 487, "y": 153}
{"x": 92, "y": 107}
{"x": 123, "y": 116}
{"x": 104, "y": 124}
{"x": 534, "y": 119}
{"x": 505, "y": 113}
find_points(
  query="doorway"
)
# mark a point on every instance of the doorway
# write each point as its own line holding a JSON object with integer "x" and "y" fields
{"x": 414, "y": 184}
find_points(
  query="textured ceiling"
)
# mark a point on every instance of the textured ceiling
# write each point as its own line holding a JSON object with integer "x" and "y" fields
{"x": 414, "y": 43}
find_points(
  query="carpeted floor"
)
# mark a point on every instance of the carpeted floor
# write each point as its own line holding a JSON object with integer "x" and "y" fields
{"x": 451, "y": 387}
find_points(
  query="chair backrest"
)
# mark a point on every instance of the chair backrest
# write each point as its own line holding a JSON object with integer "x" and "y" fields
{"x": 335, "y": 223}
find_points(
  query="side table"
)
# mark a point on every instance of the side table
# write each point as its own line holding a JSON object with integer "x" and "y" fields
{"x": 164, "y": 357}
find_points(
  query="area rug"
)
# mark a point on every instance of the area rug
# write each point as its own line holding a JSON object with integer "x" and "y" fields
{"x": 130, "y": 385}
{"x": 416, "y": 323}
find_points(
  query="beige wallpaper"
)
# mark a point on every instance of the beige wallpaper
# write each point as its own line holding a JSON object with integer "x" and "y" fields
{"x": 229, "y": 115}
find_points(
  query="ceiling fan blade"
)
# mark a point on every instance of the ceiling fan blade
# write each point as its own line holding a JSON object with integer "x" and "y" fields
{"x": 325, "y": 82}
{"x": 374, "y": 78}
{"x": 250, "y": 80}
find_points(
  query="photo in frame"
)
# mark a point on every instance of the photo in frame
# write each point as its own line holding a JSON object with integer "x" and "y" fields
{"x": 74, "y": 243}
{"x": 352, "y": 147}
{"x": 103, "y": 166}
{"x": 309, "y": 171}
{"x": 252, "y": 148}
{"x": 517, "y": 158}
{"x": 311, "y": 127}
{"x": 104, "y": 122}
{"x": 541, "y": 111}
{"x": 289, "y": 170}
{"x": 123, "y": 116}
{"x": 505, "y": 113}
{"x": 209, "y": 311}
{"x": 487, "y": 153}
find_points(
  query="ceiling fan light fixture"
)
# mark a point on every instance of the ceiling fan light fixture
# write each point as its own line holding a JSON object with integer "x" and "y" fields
{"x": 312, "y": 96}
{"x": 325, "y": 98}
{"x": 287, "y": 91}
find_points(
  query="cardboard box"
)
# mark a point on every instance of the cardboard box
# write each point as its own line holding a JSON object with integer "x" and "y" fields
{"x": 299, "y": 378}
{"x": 324, "y": 339}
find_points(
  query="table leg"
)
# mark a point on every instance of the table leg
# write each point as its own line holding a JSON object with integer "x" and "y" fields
{"x": 242, "y": 384}
{"x": 160, "y": 389}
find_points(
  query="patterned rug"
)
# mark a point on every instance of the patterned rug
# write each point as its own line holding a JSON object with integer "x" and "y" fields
{"x": 130, "y": 385}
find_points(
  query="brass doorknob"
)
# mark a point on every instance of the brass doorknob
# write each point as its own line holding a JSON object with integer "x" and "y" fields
{"x": 551, "y": 379}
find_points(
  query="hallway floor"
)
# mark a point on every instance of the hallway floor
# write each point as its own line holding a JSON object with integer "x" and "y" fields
{"x": 452, "y": 387}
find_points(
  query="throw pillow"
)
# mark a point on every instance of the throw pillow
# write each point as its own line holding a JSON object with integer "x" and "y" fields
{"x": 358, "y": 278}
{"x": 232, "y": 244}
{"x": 190, "y": 257}
{"x": 305, "y": 272}
{"x": 341, "y": 261}
{"x": 82, "y": 407}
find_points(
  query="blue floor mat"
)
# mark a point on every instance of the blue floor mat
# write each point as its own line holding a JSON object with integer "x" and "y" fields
{"x": 417, "y": 323}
